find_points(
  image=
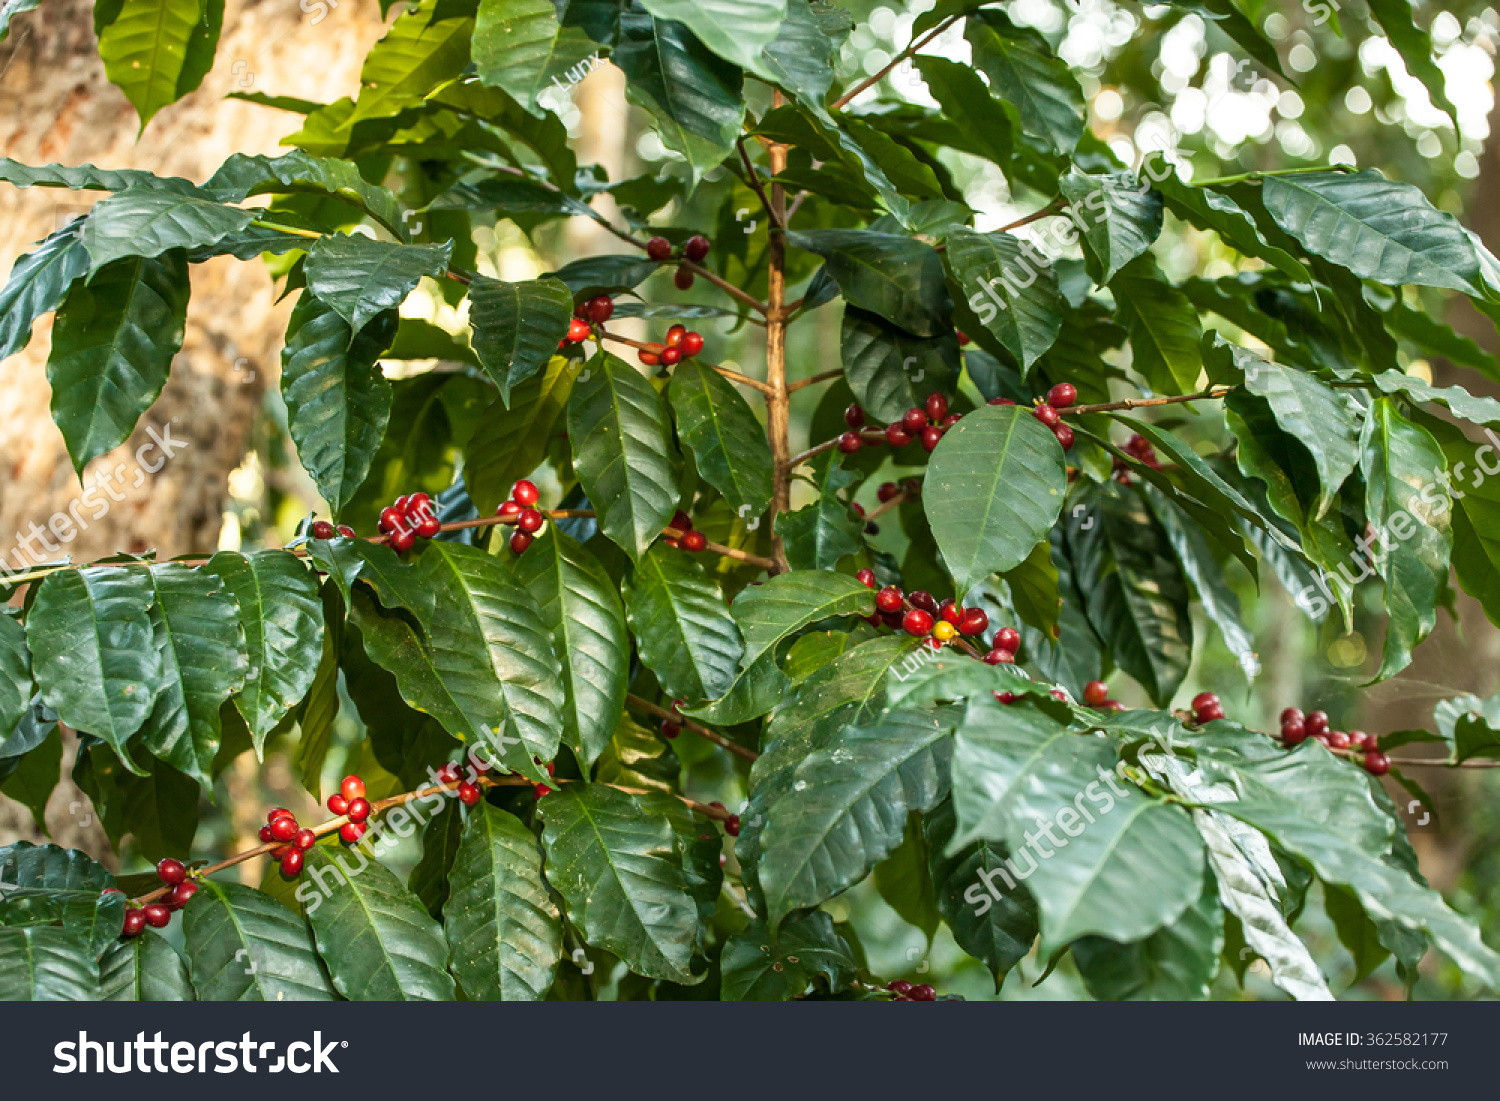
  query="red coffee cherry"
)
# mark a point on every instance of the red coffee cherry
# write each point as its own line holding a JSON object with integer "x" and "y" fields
{"x": 896, "y": 435}
{"x": 917, "y": 623}
{"x": 921, "y": 598}
{"x": 694, "y": 541}
{"x": 684, "y": 279}
{"x": 850, "y": 442}
{"x": 352, "y": 787}
{"x": 1000, "y": 657}
{"x": 1046, "y": 414}
{"x": 600, "y": 308}
{"x": 525, "y": 493}
{"x": 304, "y": 840}
{"x": 291, "y": 864}
{"x": 403, "y": 541}
{"x": 359, "y": 810}
{"x": 1008, "y": 638}
{"x": 732, "y": 825}
{"x": 975, "y": 622}
{"x": 675, "y": 335}
{"x": 469, "y": 794}
{"x": 1095, "y": 692}
{"x": 1062, "y": 395}
{"x": 156, "y": 915}
{"x": 950, "y": 612}
{"x": 854, "y": 416}
{"x": 651, "y": 354}
{"x": 1376, "y": 763}
{"x": 284, "y": 829}
{"x": 696, "y": 248}
{"x": 670, "y": 357}
{"x": 963, "y": 338}
{"x": 180, "y": 895}
{"x": 1064, "y": 436}
{"x": 670, "y": 729}
{"x": 691, "y": 345}
{"x": 530, "y": 521}
{"x": 888, "y": 491}
{"x": 346, "y": 531}
{"x": 930, "y": 437}
{"x": 135, "y": 921}
{"x": 866, "y": 578}
{"x": 509, "y": 512}
{"x": 322, "y": 529}
{"x": 578, "y": 331}
{"x": 1291, "y": 715}
{"x": 1294, "y": 733}
{"x": 519, "y": 542}
{"x": 336, "y": 803}
{"x": 936, "y": 406}
{"x": 350, "y": 832}
{"x": 659, "y": 249}
{"x": 1317, "y": 723}
{"x": 171, "y": 871}
{"x": 889, "y": 599}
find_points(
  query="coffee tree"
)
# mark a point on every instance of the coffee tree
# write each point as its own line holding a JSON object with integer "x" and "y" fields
{"x": 545, "y": 564}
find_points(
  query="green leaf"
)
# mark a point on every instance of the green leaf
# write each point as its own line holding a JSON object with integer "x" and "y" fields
{"x": 440, "y": 841}
{"x": 503, "y": 929}
{"x": 1176, "y": 963}
{"x": 153, "y": 50}
{"x": 338, "y": 401}
{"x": 161, "y": 809}
{"x": 201, "y": 647}
{"x": 377, "y": 940}
{"x": 482, "y": 664}
{"x": 145, "y": 968}
{"x": 997, "y": 931}
{"x": 806, "y": 953}
{"x": 1133, "y": 589}
{"x": 320, "y": 708}
{"x": 639, "y": 758}
{"x": 818, "y": 535}
{"x": 800, "y": 57}
{"x": 33, "y": 777}
{"x": 517, "y": 325}
{"x": 1325, "y": 422}
{"x": 623, "y": 452}
{"x": 1014, "y": 293}
{"x": 1455, "y": 399}
{"x": 904, "y": 882}
{"x": 728, "y": 444}
{"x": 618, "y": 862}
{"x": 300, "y": 173}
{"x": 694, "y": 97}
{"x": 995, "y": 486}
{"x": 1475, "y": 519}
{"x": 1410, "y": 514}
{"x": 1120, "y": 216}
{"x": 580, "y": 606}
{"x": 40, "y": 963}
{"x": 38, "y": 283}
{"x": 244, "y": 946}
{"x": 520, "y": 46}
{"x": 967, "y": 102}
{"x": 847, "y": 808}
{"x": 15, "y": 674}
{"x": 736, "y": 30}
{"x": 361, "y": 278}
{"x": 1018, "y": 777}
{"x": 769, "y": 613}
{"x": 1163, "y": 325}
{"x": 896, "y": 277}
{"x": 510, "y": 443}
{"x": 1415, "y": 47}
{"x": 685, "y": 634}
{"x": 283, "y": 623}
{"x": 1023, "y": 70}
{"x": 1377, "y": 228}
{"x": 49, "y": 885}
{"x": 891, "y": 371}
{"x": 146, "y": 222}
{"x": 112, "y": 348}
{"x": 417, "y": 54}
{"x": 90, "y": 637}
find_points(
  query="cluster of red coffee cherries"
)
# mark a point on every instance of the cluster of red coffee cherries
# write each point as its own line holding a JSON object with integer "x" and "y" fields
{"x": 596, "y": 311}
{"x": 322, "y": 529}
{"x": 695, "y": 250}
{"x": 521, "y": 511}
{"x": 408, "y": 518}
{"x": 1140, "y": 449}
{"x": 1296, "y": 728}
{"x": 680, "y": 343}
{"x": 691, "y": 539}
{"x": 1096, "y": 695}
{"x": 927, "y": 423}
{"x": 920, "y": 615}
{"x": 158, "y": 915}
{"x": 291, "y": 840}
{"x": 1061, "y": 396}
{"x": 906, "y": 992}
{"x": 350, "y": 800}
{"x": 731, "y": 822}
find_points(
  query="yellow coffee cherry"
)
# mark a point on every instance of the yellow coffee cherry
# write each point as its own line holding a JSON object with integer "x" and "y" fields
{"x": 944, "y": 630}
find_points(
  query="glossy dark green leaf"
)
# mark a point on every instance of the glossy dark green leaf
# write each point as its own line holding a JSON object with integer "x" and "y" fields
{"x": 904, "y": 882}
{"x": 15, "y": 674}
{"x": 418, "y": 53}
{"x": 50, "y": 885}
{"x": 967, "y": 101}
{"x": 148, "y": 221}
{"x": 297, "y": 173}
{"x": 1163, "y": 327}
{"x": 992, "y": 925}
{"x": 517, "y": 326}
{"x": 361, "y": 278}
{"x": 800, "y": 57}
{"x": 320, "y": 707}
{"x": 244, "y": 946}
{"x": 479, "y": 658}
{"x": 283, "y": 623}
{"x": 685, "y": 634}
{"x": 899, "y": 278}
{"x": 623, "y": 452}
{"x": 30, "y": 779}
{"x": 378, "y": 942}
{"x": 38, "y": 283}
{"x": 1023, "y": 70}
{"x": 580, "y": 606}
{"x": 1415, "y": 47}
{"x": 510, "y": 443}
{"x": 338, "y": 402}
{"x": 1120, "y": 217}
{"x": 521, "y": 47}
{"x": 40, "y": 963}
{"x": 1010, "y": 289}
{"x": 1410, "y": 513}
{"x": 145, "y": 968}
{"x": 440, "y": 841}
{"x": 1133, "y": 588}
{"x": 154, "y": 50}
{"x": 639, "y": 758}
{"x": 112, "y": 348}
{"x": 1324, "y": 421}
{"x": 1018, "y": 778}
{"x": 160, "y": 809}
{"x": 728, "y": 443}
{"x": 770, "y": 613}
{"x": 817, "y": 536}
{"x": 90, "y": 637}
{"x": 201, "y": 647}
{"x": 846, "y": 810}
{"x": 1476, "y": 515}
{"x": 806, "y": 953}
{"x": 1176, "y": 963}
{"x": 1455, "y": 399}
{"x": 891, "y": 371}
{"x": 503, "y": 929}
{"x": 1379, "y": 229}
{"x": 994, "y": 488}
{"x": 693, "y": 96}
{"x": 736, "y": 30}
{"x": 619, "y": 864}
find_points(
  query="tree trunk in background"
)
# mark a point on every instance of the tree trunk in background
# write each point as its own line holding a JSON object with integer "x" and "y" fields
{"x": 57, "y": 105}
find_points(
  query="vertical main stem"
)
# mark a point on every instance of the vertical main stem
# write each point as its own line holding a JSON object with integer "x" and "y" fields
{"x": 778, "y": 401}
